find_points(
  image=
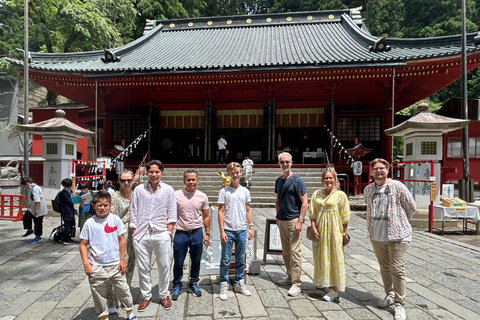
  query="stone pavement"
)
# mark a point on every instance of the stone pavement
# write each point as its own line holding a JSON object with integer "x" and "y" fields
{"x": 46, "y": 281}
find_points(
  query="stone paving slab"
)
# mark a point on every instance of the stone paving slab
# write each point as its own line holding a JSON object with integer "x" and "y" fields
{"x": 443, "y": 275}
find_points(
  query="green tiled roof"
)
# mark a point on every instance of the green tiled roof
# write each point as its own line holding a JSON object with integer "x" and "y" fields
{"x": 320, "y": 39}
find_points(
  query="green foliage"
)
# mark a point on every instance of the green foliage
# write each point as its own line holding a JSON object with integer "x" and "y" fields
{"x": 161, "y": 9}
{"x": 410, "y": 111}
{"x": 433, "y": 18}
{"x": 74, "y": 25}
{"x": 385, "y": 17}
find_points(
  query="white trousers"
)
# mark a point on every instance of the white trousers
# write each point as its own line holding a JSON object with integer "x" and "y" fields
{"x": 159, "y": 243}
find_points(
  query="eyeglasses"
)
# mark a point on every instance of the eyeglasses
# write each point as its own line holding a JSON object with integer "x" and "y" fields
{"x": 284, "y": 162}
{"x": 379, "y": 169}
{"x": 126, "y": 180}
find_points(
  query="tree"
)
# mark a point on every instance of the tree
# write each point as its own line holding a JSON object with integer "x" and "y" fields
{"x": 162, "y": 9}
{"x": 432, "y": 18}
{"x": 384, "y": 17}
{"x": 72, "y": 25}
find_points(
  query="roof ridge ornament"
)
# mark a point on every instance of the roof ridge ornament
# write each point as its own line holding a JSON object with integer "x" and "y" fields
{"x": 476, "y": 39}
{"x": 60, "y": 113}
{"x": 380, "y": 46}
{"x": 110, "y": 56}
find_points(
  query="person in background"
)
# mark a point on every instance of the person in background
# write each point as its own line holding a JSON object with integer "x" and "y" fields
{"x": 192, "y": 213}
{"x": 329, "y": 214}
{"x": 235, "y": 225}
{"x": 291, "y": 205}
{"x": 36, "y": 211}
{"x": 84, "y": 208}
{"x": 109, "y": 187}
{"x": 121, "y": 207}
{"x": 68, "y": 211}
{"x": 222, "y": 149}
{"x": 390, "y": 206}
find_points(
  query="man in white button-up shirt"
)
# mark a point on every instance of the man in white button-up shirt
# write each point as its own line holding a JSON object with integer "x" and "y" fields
{"x": 153, "y": 214}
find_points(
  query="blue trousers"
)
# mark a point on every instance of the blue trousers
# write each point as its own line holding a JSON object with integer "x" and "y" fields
{"x": 182, "y": 242}
{"x": 239, "y": 238}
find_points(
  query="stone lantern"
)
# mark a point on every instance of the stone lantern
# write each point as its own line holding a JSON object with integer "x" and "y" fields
{"x": 423, "y": 142}
{"x": 59, "y": 149}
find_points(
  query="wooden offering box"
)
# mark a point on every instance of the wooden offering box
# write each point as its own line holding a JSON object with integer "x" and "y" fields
{"x": 453, "y": 202}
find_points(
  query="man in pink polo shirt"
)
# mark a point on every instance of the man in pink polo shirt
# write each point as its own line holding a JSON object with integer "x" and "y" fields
{"x": 192, "y": 213}
{"x": 153, "y": 213}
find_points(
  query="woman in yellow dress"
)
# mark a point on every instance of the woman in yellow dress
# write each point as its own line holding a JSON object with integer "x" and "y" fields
{"x": 329, "y": 214}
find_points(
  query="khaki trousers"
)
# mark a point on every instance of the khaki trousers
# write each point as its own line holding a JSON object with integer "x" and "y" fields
{"x": 98, "y": 285}
{"x": 292, "y": 249}
{"x": 391, "y": 258}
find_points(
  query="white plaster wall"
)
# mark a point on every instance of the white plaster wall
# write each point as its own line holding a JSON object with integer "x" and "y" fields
{"x": 421, "y": 190}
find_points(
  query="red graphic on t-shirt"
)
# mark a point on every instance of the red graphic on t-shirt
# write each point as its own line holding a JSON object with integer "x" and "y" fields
{"x": 109, "y": 229}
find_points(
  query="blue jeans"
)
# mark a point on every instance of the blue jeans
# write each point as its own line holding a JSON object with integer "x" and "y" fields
{"x": 184, "y": 240}
{"x": 240, "y": 240}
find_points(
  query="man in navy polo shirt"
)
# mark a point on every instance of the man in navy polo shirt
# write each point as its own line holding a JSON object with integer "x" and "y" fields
{"x": 291, "y": 205}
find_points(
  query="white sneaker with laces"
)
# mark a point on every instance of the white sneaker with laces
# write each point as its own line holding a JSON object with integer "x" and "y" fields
{"x": 330, "y": 296}
{"x": 240, "y": 287}
{"x": 223, "y": 291}
{"x": 400, "y": 313}
{"x": 284, "y": 282}
{"x": 294, "y": 290}
{"x": 385, "y": 302}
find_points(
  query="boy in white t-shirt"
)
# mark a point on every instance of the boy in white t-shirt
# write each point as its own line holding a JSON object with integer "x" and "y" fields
{"x": 102, "y": 235}
{"x": 235, "y": 221}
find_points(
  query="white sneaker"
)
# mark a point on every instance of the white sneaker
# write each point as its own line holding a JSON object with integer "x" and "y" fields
{"x": 400, "y": 313}
{"x": 294, "y": 290}
{"x": 112, "y": 310}
{"x": 385, "y": 302}
{"x": 330, "y": 296}
{"x": 284, "y": 282}
{"x": 240, "y": 287}
{"x": 223, "y": 291}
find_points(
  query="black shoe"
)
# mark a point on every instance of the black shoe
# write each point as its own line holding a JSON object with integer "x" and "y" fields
{"x": 176, "y": 292}
{"x": 193, "y": 288}
{"x": 28, "y": 233}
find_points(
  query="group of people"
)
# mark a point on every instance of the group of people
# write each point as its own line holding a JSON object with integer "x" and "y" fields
{"x": 129, "y": 226}
{"x": 147, "y": 219}
{"x": 390, "y": 206}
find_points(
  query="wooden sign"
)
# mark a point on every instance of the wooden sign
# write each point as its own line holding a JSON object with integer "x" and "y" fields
{"x": 433, "y": 191}
{"x": 272, "y": 241}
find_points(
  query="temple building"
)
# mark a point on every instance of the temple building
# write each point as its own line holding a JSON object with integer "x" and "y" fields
{"x": 288, "y": 81}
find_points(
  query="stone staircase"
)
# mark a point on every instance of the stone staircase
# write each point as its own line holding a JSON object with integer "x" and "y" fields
{"x": 262, "y": 188}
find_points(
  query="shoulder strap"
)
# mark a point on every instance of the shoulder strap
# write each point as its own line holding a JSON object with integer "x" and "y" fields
{"x": 323, "y": 209}
{"x": 286, "y": 186}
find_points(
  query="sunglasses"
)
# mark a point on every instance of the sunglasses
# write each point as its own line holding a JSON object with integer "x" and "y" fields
{"x": 284, "y": 162}
{"x": 126, "y": 180}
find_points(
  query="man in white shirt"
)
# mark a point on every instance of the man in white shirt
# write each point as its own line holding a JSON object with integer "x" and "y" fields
{"x": 222, "y": 148}
{"x": 192, "y": 214}
{"x": 36, "y": 211}
{"x": 153, "y": 214}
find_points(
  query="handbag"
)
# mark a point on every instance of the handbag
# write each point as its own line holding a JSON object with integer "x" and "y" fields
{"x": 310, "y": 235}
{"x": 348, "y": 237}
